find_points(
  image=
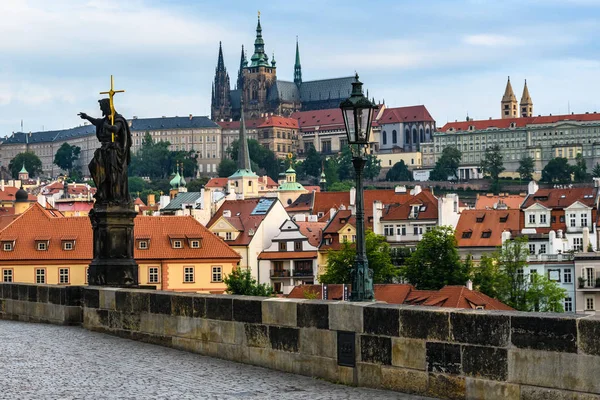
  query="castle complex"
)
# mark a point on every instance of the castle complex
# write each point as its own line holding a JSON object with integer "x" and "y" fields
{"x": 262, "y": 93}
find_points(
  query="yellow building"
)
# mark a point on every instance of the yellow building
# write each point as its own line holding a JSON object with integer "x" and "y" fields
{"x": 340, "y": 229}
{"x": 411, "y": 159}
{"x": 173, "y": 253}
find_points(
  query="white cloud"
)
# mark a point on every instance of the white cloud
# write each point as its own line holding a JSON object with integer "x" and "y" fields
{"x": 492, "y": 40}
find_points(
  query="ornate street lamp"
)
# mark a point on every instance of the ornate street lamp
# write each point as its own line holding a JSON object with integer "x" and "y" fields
{"x": 358, "y": 112}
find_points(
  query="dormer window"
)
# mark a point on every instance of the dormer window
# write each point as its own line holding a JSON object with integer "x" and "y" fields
{"x": 467, "y": 234}
{"x": 195, "y": 244}
{"x": 504, "y": 218}
{"x": 42, "y": 246}
{"x": 228, "y": 235}
{"x": 480, "y": 218}
{"x": 143, "y": 245}
{"x": 68, "y": 245}
{"x": 177, "y": 244}
{"x": 486, "y": 234}
{"x": 343, "y": 220}
{"x": 7, "y": 246}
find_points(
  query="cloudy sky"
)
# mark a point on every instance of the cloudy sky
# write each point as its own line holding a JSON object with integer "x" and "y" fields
{"x": 452, "y": 56}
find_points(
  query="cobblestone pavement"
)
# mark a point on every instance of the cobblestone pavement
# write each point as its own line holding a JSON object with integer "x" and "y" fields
{"x": 55, "y": 362}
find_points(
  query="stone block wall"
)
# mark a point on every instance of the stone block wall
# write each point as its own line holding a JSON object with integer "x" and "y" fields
{"x": 437, "y": 352}
{"x": 61, "y": 305}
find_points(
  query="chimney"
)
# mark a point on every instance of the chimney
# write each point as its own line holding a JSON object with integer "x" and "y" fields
{"x": 300, "y": 218}
{"x": 505, "y": 236}
{"x": 331, "y": 213}
{"x": 2, "y": 184}
{"x": 470, "y": 284}
{"x": 532, "y": 187}
{"x": 417, "y": 189}
{"x": 400, "y": 189}
{"x": 353, "y": 197}
{"x": 191, "y": 117}
{"x": 377, "y": 214}
{"x": 586, "y": 238}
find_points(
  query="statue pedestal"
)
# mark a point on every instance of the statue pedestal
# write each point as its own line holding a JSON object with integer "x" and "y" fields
{"x": 113, "y": 263}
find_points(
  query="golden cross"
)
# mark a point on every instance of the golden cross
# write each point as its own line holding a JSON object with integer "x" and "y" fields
{"x": 259, "y": 14}
{"x": 110, "y": 94}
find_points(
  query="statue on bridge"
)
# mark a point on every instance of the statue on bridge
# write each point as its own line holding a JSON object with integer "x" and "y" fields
{"x": 113, "y": 212}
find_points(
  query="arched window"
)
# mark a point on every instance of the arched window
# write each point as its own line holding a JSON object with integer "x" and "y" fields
{"x": 394, "y": 137}
{"x": 384, "y": 137}
{"x": 421, "y": 136}
{"x": 427, "y": 137}
{"x": 414, "y": 135}
{"x": 407, "y": 136}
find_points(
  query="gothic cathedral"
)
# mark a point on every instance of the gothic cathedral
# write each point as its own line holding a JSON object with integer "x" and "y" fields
{"x": 258, "y": 91}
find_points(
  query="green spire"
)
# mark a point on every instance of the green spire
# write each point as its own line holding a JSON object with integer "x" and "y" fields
{"x": 259, "y": 58}
{"x": 243, "y": 161}
{"x": 273, "y": 60}
{"x": 23, "y": 170}
{"x": 175, "y": 182}
{"x": 297, "y": 67}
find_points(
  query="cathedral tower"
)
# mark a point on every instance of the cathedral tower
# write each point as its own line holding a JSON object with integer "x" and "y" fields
{"x": 526, "y": 103}
{"x": 258, "y": 78}
{"x": 509, "y": 102}
{"x": 220, "y": 102}
{"x": 243, "y": 64}
{"x": 297, "y": 67}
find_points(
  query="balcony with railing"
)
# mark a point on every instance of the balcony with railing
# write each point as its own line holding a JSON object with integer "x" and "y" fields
{"x": 589, "y": 284}
{"x": 550, "y": 257}
{"x": 280, "y": 273}
{"x": 301, "y": 272}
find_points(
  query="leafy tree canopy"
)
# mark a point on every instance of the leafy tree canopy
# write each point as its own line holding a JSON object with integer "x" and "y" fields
{"x": 447, "y": 165}
{"x": 557, "y": 170}
{"x": 492, "y": 164}
{"x": 32, "y": 163}
{"x": 241, "y": 282}
{"x": 580, "y": 169}
{"x": 526, "y": 168}
{"x": 596, "y": 171}
{"x": 435, "y": 263}
{"x": 399, "y": 172}
{"x": 66, "y": 156}
{"x": 341, "y": 262}
{"x": 342, "y": 186}
{"x": 226, "y": 168}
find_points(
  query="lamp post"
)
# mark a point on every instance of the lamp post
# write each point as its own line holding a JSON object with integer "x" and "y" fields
{"x": 357, "y": 111}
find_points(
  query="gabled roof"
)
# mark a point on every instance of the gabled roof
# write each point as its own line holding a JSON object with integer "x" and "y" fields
{"x": 405, "y": 114}
{"x": 217, "y": 183}
{"x": 302, "y": 203}
{"x": 324, "y": 201}
{"x": 235, "y": 125}
{"x": 242, "y": 218}
{"x": 55, "y": 228}
{"x": 9, "y": 193}
{"x": 284, "y": 91}
{"x": 561, "y": 198}
{"x": 400, "y": 212}
{"x": 518, "y": 122}
{"x": 511, "y": 201}
{"x": 138, "y": 202}
{"x": 268, "y": 182}
{"x": 326, "y": 89}
{"x": 472, "y": 225}
{"x": 329, "y": 119}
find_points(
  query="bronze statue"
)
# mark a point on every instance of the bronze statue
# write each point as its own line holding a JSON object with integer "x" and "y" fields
{"x": 110, "y": 162}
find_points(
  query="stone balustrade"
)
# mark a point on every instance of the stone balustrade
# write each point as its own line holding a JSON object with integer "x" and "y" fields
{"x": 438, "y": 352}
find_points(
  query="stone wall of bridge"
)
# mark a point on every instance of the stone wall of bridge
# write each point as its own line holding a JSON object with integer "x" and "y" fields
{"x": 444, "y": 353}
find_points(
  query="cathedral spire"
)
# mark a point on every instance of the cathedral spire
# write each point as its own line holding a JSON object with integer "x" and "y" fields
{"x": 509, "y": 95}
{"x": 297, "y": 67}
{"x": 220, "y": 62}
{"x": 243, "y": 64}
{"x": 526, "y": 102}
{"x": 259, "y": 58}
{"x": 509, "y": 102}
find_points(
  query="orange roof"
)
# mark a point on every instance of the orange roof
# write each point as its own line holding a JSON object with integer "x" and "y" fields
{"x": 216, "y": 183}
{"x": 138, "y": 202}
{"x": 449, "y": 296}
{"x": 490, "y": 201}
{"x": 279, "y": 122}
{"x": 9, "y": 192}
{"x": 235, "y": 125}
{"x": 267, "y": 180}
{"x": 241, "y": 219}
{"x": 483, "y": 228}
{"x": 287, "y": 255}
{"x": 302, "y": 203}
{"x": 560, "y": 198}
{"x": 519, "y": 122}
{"x": 53, "y": 225}
{"x": 312, "y": 230}
{"x": 313, "y": 188}
{"x": 330, "y": 119}
{"x": 324, "y": 201}
{"x": 428, "y": 208}
{"x": 405, "y": 114}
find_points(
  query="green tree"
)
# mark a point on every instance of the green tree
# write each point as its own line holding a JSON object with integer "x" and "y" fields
{"x": 332, "y": 171}
{"x": 580, "y": 169}
{"x": 66, "y": 156}
{"x": 435, "y": 263}
{"x": 32, "y": 164}
{"x": 596, "y": 171}
{"x": 263, "y": 159}
{"x": 196, "y": 184}
{"x": 187, "y": 159}
{"x": 502, "y": 276}
{"x": 226, "y": 168}
{"x": 372, "y": 167}
{"x": 526, "y": 168}
{"x": 342, "y": 186}
{"x": 399, "y": 172}
{"x": 312, "y": 164}
{"x": 241, "y": 282}
{"x": 492, "y": 165}
{"x": 136, "y": 184}
{"x": 340, "y": 262}
{"x": 345, "y": 166}
{"x": 557, "y": 170}
{"x": 447, "y": 165}
{"x": 153, "y": 160}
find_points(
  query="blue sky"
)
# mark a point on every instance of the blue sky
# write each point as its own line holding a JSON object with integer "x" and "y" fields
{"x": 452, "y": 56}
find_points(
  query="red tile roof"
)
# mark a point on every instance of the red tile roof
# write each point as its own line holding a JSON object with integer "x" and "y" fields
{"x": 512, "y": 201}
{"x": 8, "y": 194}
{"x": 279, "y": 122}
{"x": 49, "y": 223}
{"x": 561, "y": 198}
{"x": 271, "y": 184}
{"x": 138, "y": 202}
{"x": 519, "y": 122}
{"x": 313, "y": 231}
{"x": 403, "y": 211}
{"x": 458, "y": 297}
{"x": 474, "y": 225}
{"x": 216, "y": 183}
{"x": 241, "y": 219}
{"x": 330, "y": 119}
{"x": 405, "y": 114}
{"x": 235, "y": 125}
{"x": 287, "y": 255}
{"x": 324, "y": 201}
{"x": 302, "y": 203}
{"x": 312, "y": 188}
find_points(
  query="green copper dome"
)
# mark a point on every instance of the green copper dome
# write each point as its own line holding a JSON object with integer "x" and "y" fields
{"x": 23, "y": 170}
{"x": 175, "y": 181}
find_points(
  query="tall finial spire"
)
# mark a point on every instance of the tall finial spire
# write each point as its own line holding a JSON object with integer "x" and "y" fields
{"x": 220, "y": 62}
{"x": 243, "y": 160}
{"x": 526, "y": 102}
{"x": 243, "y": 64}
{"x": 297, "y": 66}
{"x": 259, "y": 58}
